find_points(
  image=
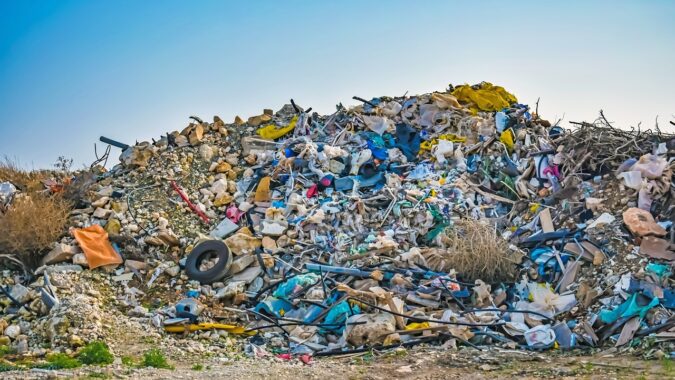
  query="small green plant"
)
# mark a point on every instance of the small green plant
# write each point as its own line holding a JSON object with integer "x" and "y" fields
{"x": 668, "y": 366}
{"x": 59, "y": 361}
{"x": 96, "y": 352}
{"x": 4, "y": 367}
{"x": 98, "y": 375}
{"x": 198, "y": 367}
{"x": 6, "y": 350}
{"x": 128, "y": 361}
{"x": 155, "y": 358}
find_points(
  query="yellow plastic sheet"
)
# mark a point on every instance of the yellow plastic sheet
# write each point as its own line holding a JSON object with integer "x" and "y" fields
{"x": 417, "y": 325}
{"x": 427, "y": 145}
{"x": 272, "y": 132}
{"x": 507, "y": 138}
{"x": 232, "y": 329}
{"x": 486, "y": 98}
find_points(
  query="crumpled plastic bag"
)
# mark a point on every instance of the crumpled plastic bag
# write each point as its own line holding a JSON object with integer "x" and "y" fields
{"x": 7, "y": 191}
{"x": 651, "y": 166}
{"x": 543, "y": 301}
{"x": 96, "y": 247}
{"x": 273, "y": 132}
{"x": 378, "y": 124}
{"x": 293, "y": 284}
{"x": 542, "y": 335}
{"x": 628, "y": 309}
{"x": 486, "y": 98}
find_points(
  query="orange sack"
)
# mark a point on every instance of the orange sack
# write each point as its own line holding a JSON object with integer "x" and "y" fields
{"x": 97, "y": 249}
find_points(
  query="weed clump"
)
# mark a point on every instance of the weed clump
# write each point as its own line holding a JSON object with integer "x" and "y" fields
{"x": 59, "y": 361}
{"x": 96, "y": 352}
{"x": 155, "y": 358}
{"x": 475, "y": 251}
{"x": 30, "y": 226}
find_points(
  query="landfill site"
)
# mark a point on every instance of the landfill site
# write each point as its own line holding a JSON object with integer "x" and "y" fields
{"x": 452, "y": 234}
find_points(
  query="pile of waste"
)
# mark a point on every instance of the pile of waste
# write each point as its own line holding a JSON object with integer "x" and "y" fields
{"x": 457, "y": 218}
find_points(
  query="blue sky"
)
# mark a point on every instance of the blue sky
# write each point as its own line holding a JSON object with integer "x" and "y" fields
{"x": 71, "y": 71}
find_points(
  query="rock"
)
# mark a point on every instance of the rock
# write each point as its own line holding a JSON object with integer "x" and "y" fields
{"x": 101, "y": 202}
{"x": 12, "y": 331}
{"x": 241, "y": 243}
{"x": 138, "y": 311}
{"x": 642, "y": 223}
{"x": 124, "y": 277}
{"x": 257, "y": 120}
{"x": 80, "y": 259}
{"x": 60, "y": 253}
{"x": 153, "y": 241}
{"x": 75, "y": 341}
{"x": 21, "y": 346}
{"x": 223, "y": 200}
{"x": 196, "y": 134}
{"x": 206, "y": 152}
{"x": 101, "y": 213}
{"x": 274, "y": 228}
{"x": 173, "y": 271}
{"x": 373, "y": 331}
{"x": 224, "y": 228}
{"x": 5, "y": 340}
{"x": 113, "y": 227}
{"x": 248, "y": 275}
{"x": 232, "y": 289}
{"x": 241, "y": 262}
{"x": 3, "y": 325}
{"x": 269, "y": 243}
{"x": 168, "y": 238}
{"x": 136, "y": 156}
{"x": 20, "y": 293}
{"x": 223, "y": 167}
{"x": 182, "y": 141}
{"x": 61, "y": 268}
{"x": 105, "y": 191}
{"x": 136, "y": 265}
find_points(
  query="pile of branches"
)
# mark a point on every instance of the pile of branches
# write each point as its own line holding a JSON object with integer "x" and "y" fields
{"x": 598, "y": 148}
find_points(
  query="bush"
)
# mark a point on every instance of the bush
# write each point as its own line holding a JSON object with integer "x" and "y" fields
{"x": 154, "y": 358}
{"x": 24, "y": 180}
{"x": 96, "y": 352}
{"x": 475, "y": 251}
{"x": 31, "y": 225}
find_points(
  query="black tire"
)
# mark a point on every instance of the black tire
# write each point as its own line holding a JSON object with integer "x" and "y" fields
{"x": 199, "y": 253}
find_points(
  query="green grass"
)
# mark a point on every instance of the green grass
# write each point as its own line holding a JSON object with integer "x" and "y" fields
{"x": 96, "y": 352}
{"x": 7, "y": 367}
{"x": 128, "y": 361}
{"x": 6, "y": 350}
{"x": 156, "y": 359}
{"x": 59, "y": 361}
{"x": 198, "y": 367}
{"x": 98, "y": 375}
{"x": 668, "y": 366}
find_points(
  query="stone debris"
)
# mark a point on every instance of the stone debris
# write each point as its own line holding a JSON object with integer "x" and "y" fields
{"x": 457, "y": 218}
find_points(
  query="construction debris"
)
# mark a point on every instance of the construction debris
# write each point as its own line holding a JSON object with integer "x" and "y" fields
{"x": 456, "y": 216}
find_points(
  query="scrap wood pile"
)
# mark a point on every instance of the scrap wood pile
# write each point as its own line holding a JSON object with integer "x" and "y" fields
{"x": 458, "y": 218}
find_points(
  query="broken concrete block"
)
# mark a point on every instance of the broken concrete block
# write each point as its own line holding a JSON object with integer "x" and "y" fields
{"x": 248, "y": 275}
{"x": 241, "y": 262}
{"x": 62, "y": 252}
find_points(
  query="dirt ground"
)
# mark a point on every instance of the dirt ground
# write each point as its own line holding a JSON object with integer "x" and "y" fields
{"x": 420, "y": 363}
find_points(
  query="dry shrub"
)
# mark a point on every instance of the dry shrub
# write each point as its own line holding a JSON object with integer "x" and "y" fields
{"x": 24, "y": 180}
{"x": 475, "y": 251}
{"x": 31, "y": 225}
